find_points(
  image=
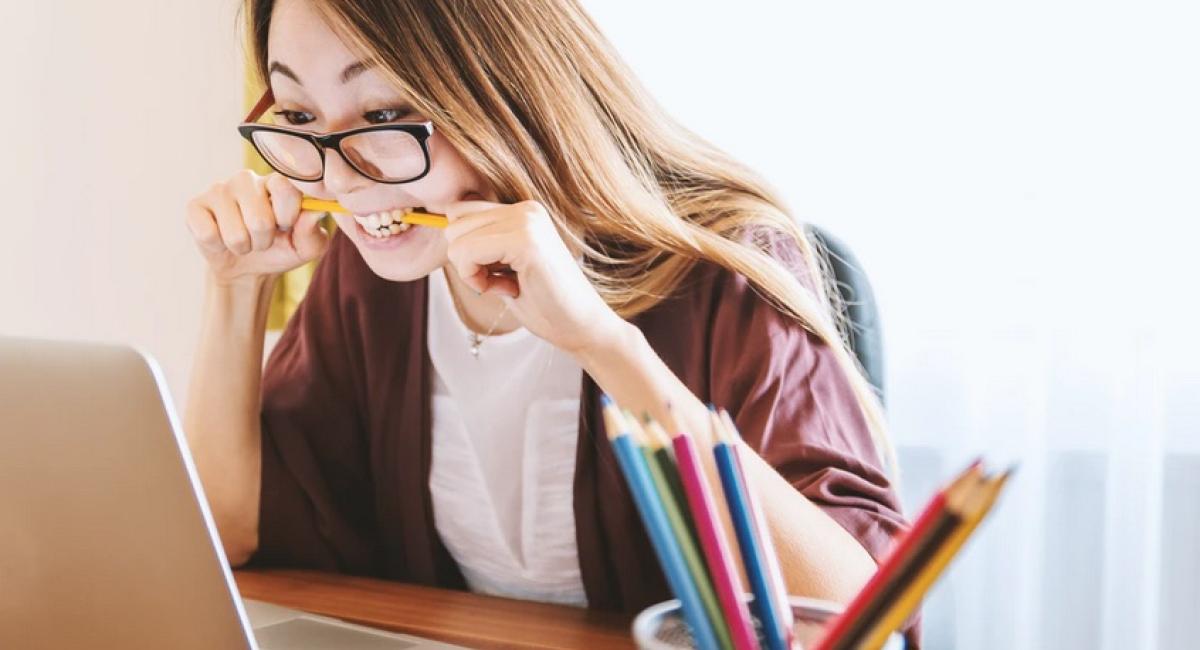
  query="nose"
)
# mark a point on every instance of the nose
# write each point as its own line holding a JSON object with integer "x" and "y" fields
{"x": 340, "y": 177}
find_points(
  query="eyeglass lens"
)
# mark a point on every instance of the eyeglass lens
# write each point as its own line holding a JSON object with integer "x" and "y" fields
{"x": 381, "y": 155}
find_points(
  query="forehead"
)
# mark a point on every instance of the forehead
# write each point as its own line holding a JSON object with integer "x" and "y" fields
{"x": 300, "y": 39}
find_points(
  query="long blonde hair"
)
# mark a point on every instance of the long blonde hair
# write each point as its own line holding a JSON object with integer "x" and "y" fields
{"x": 534, "y": 97}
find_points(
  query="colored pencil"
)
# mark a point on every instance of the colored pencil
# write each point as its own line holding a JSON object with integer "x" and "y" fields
{"x": 660, "y": 443}
{"x": 713, "y": 542}
{"x": 775, "y": 573}
{"x": 662, "y": 466}
{"x": 973, "y": 513}
{"x": 932, "y": 525}
{"x": 415, "y": 218}
{"x": 662, "y": 538}
{"x": 755, "y": 544}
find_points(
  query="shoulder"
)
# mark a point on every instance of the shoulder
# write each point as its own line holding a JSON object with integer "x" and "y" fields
{"x": 711, "y": 293}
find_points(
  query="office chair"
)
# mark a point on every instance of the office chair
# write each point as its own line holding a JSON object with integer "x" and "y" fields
{"x": 865, "y": 331}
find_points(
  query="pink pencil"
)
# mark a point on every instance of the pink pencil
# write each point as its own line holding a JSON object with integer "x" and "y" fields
{"x": 712, "y": 540}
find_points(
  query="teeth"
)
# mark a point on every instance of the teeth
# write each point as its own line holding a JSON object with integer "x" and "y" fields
{"x": 382, "y": 225}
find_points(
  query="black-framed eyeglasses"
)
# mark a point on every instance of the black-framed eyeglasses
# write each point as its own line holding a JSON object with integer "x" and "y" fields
{"x": 386, "y": 153}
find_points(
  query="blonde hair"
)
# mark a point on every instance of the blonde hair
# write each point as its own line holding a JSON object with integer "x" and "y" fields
{"x": 535, "y": 99}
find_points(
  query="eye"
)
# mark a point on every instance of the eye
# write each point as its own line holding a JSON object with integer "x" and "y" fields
{"x": 385, "y": 115}
{"x": 295, "y": 118}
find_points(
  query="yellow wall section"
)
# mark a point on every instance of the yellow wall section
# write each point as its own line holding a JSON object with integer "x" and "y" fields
{"x": 290, "y": 288}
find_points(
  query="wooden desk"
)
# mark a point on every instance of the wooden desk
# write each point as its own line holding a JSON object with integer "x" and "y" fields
{"x": 456, "y": 617}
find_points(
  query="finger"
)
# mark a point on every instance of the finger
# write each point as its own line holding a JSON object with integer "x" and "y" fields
{"x": 285, "y": 201}
{"x": 505, "y": 285}
{"x": 308, "y": 238}
{"x": 229, "y": 221}
{"x": 489, "y": 246}
{"x": 203, "y": 226}
{"x": 257, "y": 213}
{"x": 459, "y": 209}
{"x": 469, "y": 223}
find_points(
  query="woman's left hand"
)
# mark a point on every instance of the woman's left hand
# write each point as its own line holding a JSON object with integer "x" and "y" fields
{"x": 547, "y": 289}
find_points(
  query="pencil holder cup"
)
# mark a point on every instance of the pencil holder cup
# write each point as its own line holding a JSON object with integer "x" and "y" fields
{"x": 660, "y": 627}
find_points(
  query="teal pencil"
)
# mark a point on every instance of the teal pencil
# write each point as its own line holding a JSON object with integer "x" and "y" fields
{"x": 754, "y": 538}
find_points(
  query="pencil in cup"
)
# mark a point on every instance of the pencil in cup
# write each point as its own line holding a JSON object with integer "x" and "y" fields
{"x": 726, "y": 580}
{"x": 754, "y": 540}
{"x": 415, "y": 218}
{"x": 666, "y": 547}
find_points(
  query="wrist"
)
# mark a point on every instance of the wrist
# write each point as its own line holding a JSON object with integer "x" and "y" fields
{"x": 249, "y": 286}
{"x": 245, "y": 300}
{"x": 609, "y": 344}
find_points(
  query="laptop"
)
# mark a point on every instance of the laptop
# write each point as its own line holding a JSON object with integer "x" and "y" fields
{"x": 106, "y": 540}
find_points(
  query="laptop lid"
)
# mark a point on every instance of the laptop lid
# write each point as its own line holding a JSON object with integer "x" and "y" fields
{"x": 106, "y": 540}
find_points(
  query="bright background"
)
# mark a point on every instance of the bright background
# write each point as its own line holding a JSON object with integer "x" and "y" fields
{"x": 1019, "y": 180}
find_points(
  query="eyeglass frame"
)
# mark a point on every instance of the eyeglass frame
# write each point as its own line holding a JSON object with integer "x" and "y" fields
{"x": 421, "y": 131}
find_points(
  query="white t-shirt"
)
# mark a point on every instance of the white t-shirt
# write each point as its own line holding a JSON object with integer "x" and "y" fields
{"x": 505, "y": 428}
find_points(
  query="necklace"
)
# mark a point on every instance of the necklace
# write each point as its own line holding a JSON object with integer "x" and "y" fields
{"x": 475, "y": 340}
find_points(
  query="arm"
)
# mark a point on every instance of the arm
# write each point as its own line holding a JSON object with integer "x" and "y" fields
{"x": 222, "y": 417}
{"x": 249, "y": 230}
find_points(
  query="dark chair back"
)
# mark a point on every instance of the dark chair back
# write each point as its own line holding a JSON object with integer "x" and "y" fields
{"x": 865, "y": 332}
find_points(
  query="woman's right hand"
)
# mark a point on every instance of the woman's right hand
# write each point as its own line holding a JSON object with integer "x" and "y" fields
{"x": 251, "y": 226}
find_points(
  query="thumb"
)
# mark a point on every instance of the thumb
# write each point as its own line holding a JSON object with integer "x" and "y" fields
{"x": 308, "y": 238}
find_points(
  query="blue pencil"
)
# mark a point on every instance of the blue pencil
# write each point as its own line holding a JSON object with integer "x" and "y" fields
{"x": 670, "y": 557}
{"x": 754, "y": 551}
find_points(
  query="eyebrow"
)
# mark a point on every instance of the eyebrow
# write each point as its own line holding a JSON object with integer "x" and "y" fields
{"x": 348, "y": 74}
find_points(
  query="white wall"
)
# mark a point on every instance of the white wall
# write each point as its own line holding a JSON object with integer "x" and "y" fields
{"x": 964, "y": 149}
{"x": 114, "y": 114}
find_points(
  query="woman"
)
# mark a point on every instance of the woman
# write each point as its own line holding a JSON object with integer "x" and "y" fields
{"x": 431, "y": 412}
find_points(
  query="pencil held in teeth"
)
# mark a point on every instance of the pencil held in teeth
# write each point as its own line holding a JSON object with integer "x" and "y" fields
{"x": 411, "y": 217}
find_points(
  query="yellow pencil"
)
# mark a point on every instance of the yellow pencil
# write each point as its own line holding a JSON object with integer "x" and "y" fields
{"x": 415, "y": 218}
{"x": 911, "y": 598}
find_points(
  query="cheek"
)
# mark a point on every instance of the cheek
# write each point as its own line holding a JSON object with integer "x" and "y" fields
{"x": 450, "y": 177}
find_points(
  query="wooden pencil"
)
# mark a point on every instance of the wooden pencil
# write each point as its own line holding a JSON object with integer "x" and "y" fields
{"x": 415, "y": 218}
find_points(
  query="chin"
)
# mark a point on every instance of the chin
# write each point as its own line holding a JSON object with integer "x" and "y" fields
{"x": 401, "y": 257}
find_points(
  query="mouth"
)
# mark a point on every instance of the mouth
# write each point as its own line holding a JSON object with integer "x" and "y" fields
{"x": 385, "y": 224}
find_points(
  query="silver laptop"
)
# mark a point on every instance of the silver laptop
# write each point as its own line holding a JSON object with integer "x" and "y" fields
{"x": 106, "y": 540}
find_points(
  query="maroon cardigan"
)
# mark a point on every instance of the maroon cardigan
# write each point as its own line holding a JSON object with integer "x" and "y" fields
{"x": 346, "y": 430}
